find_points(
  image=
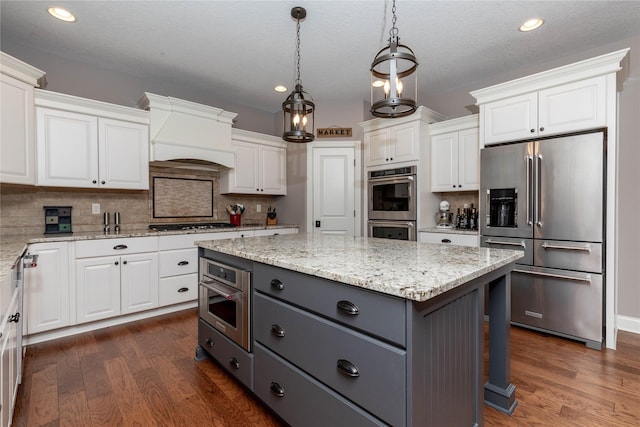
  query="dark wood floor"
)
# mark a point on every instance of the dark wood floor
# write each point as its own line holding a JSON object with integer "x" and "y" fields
{"x": 144, "y": 374}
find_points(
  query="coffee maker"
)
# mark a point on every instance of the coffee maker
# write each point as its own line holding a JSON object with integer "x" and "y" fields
{"x": 444, "y": 218}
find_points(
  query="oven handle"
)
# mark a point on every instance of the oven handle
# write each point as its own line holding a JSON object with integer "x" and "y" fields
{"x": 219, "y": 288}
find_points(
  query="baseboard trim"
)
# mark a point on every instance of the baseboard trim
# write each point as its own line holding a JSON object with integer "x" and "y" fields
{"x": 86, "y": 327}
{"x": 629, "y": 324}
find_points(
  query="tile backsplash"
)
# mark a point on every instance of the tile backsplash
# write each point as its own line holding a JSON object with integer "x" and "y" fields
{"x": 22, "y": 207}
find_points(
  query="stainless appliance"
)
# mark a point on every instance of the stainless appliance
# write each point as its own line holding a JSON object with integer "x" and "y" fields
{"x": 400, "y": 230}
{"x": 224, "y": 300}
{"x": 392, "y": 194}
{"x": 392, "y": 203}
{"x": 547, "y": 198}
{"x": 444, "y": 217}
{"x": 190, "y": 226}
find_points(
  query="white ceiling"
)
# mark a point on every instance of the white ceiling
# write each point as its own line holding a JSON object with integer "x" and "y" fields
{"x": 241, "y": 49}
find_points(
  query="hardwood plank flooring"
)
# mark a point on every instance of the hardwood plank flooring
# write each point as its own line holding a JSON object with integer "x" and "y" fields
{"x": 144, "y": 373}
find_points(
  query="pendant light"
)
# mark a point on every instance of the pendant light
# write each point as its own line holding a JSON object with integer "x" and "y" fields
{"x": 298, "y": 108}
{"x": 394, "y": 80}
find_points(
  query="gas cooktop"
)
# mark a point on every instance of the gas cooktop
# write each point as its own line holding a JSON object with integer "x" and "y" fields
{"x": 190, "y": 226}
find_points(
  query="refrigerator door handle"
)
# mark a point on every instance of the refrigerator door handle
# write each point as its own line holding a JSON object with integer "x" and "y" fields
{"x": 538, "y": 191}
{"x": 586, "y": 248}
{"x": 586, "y": 279}
{"x": 501, "y": 242}
{"x": 529, "y": 193}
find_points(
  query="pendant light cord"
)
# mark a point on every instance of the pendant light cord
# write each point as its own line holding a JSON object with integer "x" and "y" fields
{"x": 298, "y": 81}
{"x": 393, "y": 31}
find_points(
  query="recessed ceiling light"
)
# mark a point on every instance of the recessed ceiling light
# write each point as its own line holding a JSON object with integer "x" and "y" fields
{"x": 531, "y": 24}
{"x": 62, "y": 14}
{"x": 280, "y": 88}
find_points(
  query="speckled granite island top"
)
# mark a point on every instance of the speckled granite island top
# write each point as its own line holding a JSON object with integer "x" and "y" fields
{"x": 411, "y": 270}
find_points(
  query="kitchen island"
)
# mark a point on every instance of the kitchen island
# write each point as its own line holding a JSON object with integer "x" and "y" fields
{"x": 364, "y": 331}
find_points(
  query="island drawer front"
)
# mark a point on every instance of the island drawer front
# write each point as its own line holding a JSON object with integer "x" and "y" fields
{"x": 177, "y": 289}
{"x": 306, "y": 402}
{"x": 183, "y": 261}
{"x": 316, "y": 345}
{"x": 379, "y": 315}
{"x": 116, "y": 246}
{"x": 234, "y": 359}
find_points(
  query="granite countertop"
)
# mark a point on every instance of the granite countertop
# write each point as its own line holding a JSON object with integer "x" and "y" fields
{"x": 449, "y": 230}
{"x": 411, "y": 270}
{"x": 12, "y": 247}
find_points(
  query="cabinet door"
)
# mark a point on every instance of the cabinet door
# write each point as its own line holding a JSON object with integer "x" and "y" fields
{"x": 46, "y": 288}
{"x": 468, "y": 160}
{"x": 123, "y": 154}
{"x": 375, "y": 144}
{"x": 98, "y": 288}
{"x": 273, "y": 170}
{"x": 9, "y": 354}
{"x": 67, "y": 148}
{"x": 510, "y": 119}
{"x": 244, "y": 177}
{"x": 17, "y": 142}
{"x": 572, "y": 107}
{"x": 139, "y": 282}
{"x": 444, "y": 162}
{"x": 403, "y": 142}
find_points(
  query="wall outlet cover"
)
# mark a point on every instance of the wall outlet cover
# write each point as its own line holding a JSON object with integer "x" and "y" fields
{"x": 95, "y": 208}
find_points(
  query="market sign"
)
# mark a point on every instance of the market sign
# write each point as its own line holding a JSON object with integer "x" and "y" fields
{"x": 334, "y": 132}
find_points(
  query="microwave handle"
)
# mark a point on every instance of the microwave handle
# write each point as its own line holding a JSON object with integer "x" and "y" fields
{"x": 217, "y": 288}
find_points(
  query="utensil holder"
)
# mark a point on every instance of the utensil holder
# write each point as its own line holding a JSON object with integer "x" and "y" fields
{"x": 234, "y": 219}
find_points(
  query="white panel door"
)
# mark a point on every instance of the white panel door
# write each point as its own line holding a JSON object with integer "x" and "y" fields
{"x": 124, "y": 154}
{"x": 139, "y": 282}
{"x": 334, "y": 191}
{"x": 245, "y": 175}
{"x": 468, "y": 160}
{"x": 273, "y": 170}
{"x": 444, "y": 162}
{"x": 98, "y": 288}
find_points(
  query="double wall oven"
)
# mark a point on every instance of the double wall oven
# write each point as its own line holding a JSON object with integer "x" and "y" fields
{"x": 392, "y": 203}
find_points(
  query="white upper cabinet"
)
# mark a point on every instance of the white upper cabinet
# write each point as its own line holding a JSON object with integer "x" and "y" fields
{"x": 393, "y": 141}
{"x": 89, "y": 144}
{"x": 260, "y": 165}
{"x": 455, "y": 155}
{"x": 565, "y": 108}
{"x": 17, "y": 141}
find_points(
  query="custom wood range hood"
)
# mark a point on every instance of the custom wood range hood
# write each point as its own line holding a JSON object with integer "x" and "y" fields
{"x": 188, "y": 135}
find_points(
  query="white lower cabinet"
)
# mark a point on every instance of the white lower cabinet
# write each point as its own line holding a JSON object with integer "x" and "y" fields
{"x": 46, "y": 288}
{"x": 449, "y": 238}
{"x": 112, "y": 285}
{"x": 9, "y": 358}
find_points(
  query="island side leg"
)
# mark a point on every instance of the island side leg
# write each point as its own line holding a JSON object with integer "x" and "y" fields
{"x": 499, "y": 393}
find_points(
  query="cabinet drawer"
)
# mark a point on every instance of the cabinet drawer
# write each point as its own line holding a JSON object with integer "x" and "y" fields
{"x": 451, "y": 238}
{"x": 174, "y": 263}
{"x": 380, "y": 315}
{"x": 320, "y": 347}
{"x": 177, "y": 289}
{"x": 578, "y": 256}
{"x": 186, "y": 241}
{"x": 110, "y": 246}
{"x": 234, "y": 359}
{"x": 305, "y": 402}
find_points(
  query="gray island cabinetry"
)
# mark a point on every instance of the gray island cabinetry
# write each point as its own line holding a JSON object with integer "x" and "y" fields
{"x": 362, "y": 331}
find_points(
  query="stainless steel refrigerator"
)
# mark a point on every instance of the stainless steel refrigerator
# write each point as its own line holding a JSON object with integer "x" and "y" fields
{"x": 547, "y": 197}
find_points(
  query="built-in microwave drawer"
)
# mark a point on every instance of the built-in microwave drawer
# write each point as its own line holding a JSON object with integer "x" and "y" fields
{"x": 300, "y": 399}
{"x": 353, "y": 364}
{"x": 579, "y": 256}
{"x": 233, "y": 358}
{"x": 182, "y": 261}
{"x": 380, "y": 315}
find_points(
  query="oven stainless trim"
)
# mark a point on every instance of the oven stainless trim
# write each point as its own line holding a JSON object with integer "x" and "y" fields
{"x": 410, "y": 225}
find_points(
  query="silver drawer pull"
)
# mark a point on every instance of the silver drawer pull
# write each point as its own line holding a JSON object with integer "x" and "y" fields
{"x": 347, "y": 368}
{"x": 502, "y": 242}
{"x": 585, "y": 248}
{"x": 347, "y": 307}
{"x": 277, "y": 389}
{"x": 555, "y": 276}
{"x": 277, "y": 330}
